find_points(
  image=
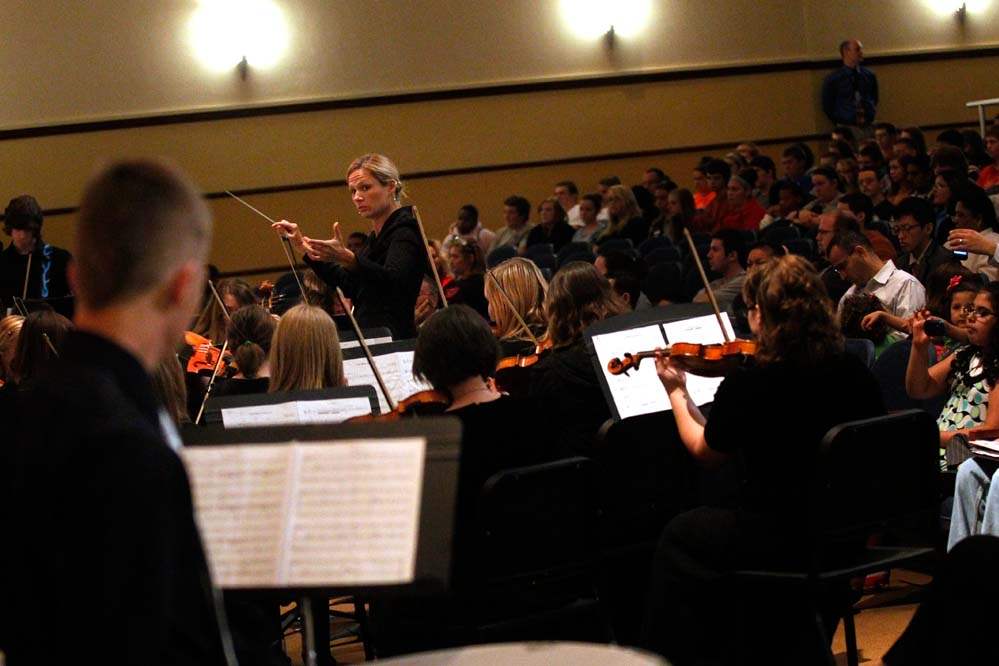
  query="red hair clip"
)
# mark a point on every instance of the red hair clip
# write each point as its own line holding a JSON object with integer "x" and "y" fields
{"x": 954, "y": 282}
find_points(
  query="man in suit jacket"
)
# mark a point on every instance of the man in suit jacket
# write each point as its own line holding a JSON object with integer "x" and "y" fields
{"x": 920, "y": 253}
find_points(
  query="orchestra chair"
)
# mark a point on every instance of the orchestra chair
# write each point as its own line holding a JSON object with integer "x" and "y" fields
{"x": 534, "y": 554}
{"x": 643, "y": 477}
{"x": 871, "y": 475}
{"x": 862, "y": 348}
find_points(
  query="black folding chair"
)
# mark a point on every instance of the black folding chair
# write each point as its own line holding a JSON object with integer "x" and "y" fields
{"x": 870, "y": 475}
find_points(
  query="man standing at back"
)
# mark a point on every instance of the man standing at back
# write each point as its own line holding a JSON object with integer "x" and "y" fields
{"x": 850, "y": 94}
{"x": 108, "y": 564}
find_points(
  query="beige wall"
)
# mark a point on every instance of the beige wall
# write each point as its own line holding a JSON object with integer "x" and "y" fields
{"x": 114, "y": 59}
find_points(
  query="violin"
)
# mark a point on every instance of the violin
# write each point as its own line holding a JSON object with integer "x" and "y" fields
{"x": 716, "y": 360}
{"x": 205, "y": 356}
{"x": 511, "y": 371}
{"x": 421, "y": 403}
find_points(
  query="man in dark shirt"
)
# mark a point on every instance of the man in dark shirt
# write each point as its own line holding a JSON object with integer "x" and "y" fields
{"x": 30, "y": 268}
{"x": 850, "y": 94}
{"x": 97, "y": 496}
{"x": 920, "y": 253}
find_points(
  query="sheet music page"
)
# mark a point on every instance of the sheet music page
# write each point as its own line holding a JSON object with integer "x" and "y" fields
{"x": 335, "y": 410}
{"x": 640, "y": 391}
{"x": 356, "y": 513}
{"x": 257, "y": 416}
{"x": 350, "y": 344}
{"x": 703, "y": 330}
{"x": 240, "y": 499}
{"x": 396, "y": 369}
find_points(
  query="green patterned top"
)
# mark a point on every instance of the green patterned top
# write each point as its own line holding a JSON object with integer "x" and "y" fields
{"x": 968, "y": 403}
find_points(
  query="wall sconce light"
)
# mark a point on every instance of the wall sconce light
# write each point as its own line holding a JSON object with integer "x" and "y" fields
{"x": 960, "y": 9}
{"x": 592, "y": 19}
{"x": 240, "y": 34}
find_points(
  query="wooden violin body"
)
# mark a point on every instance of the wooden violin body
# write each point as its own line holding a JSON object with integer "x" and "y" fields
{"x": 716, "y": 360}
{"x": 513, "y": 372}
{"x": 421, "y": 403}
{"x": 205, "y": 356}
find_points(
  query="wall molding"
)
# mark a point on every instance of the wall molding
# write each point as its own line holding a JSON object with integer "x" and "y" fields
{"x": 489, "y": 90}
{"x": 532, "y": 164}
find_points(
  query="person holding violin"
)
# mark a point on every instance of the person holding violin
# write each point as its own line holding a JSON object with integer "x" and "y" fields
{"x": 517, "y": 287}
{"x": 251, "y": 329}
{"x": 305, "y": 353}
{"x": 771, "y": 416}
{"x": 564, "y": 381}
{"x": 383, "y": 278}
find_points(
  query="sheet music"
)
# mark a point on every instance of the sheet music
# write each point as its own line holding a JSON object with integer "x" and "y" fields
{"x": 320, "y": 514}
{"x": 356, "y": 514}
{"x": 350, "y": 344}
{"x": 300, "y": 412}
{"x": 396, "y": 369}
{"x": 987, "y": 448}
{"x": 240, "y": 499}
{"x": 640, "y": 391}
{"x": 702, "y": 330}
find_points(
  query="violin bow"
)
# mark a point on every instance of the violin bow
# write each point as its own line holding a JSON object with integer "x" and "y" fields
{"x": 19, "y": 304}
{"x": 27, "y": 276}
{"x": 48, "y": 341}
{"x": 211, "y": 382}
{"x": 509, "y": 303}
{"x": 707, "y": 287}
{"x": 430, "y": 260}
{"x": 218, "y": 299}
{"x": 286, "y": 244}
{"x": 364, "y": 348}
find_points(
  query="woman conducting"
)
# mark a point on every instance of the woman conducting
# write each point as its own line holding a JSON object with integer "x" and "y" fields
{"x": 382, "y": 278}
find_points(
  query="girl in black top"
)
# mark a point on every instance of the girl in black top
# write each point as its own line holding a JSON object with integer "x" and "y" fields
{"x": 383, "y": 278}
{"x": 251, "y": 329}
{"x": 468, "y": 265}
{"x": 517, "y": 282}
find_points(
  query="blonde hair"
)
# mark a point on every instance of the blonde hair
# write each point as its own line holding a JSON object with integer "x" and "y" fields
{"x": 631, "y": 209}
{"x": 526, "y": 288}
{"x": 305, "y": 352}
{"x": 382, "y": 168}
{"x": 10, "y": 328}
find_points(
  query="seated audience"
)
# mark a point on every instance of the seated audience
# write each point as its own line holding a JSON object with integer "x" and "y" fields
{"x": 719, "y": 172}
{"x": 626, "y": 219}
{"x": 762, "y": 252}
{"x": 885, "y": 134}
{"x": 826, "y": 188}
{"x": 765, "y": 191}
{"x": 468, "y": 267}
{"x": 974, "y": 211}
{"x": 859, "y": 206}
{"x": 591, "y": 226}
{"x": 898, "y": 178}
{"x": 305, "y": 353}
{"x": 744, "y": 212}
{"x": 468, "y": 227}
{"x": 869, "y": 183}
{"x": 553, "y": 227}
{"x": 726, "y": 255}
{"x": 914, "y": 225}
{"x": 703, "y": 193}
{"x": 988, "y": 176}
{"x": 568, "y": 197}
{"x": 852, "y": 256}
{"x": 516, "y": 212}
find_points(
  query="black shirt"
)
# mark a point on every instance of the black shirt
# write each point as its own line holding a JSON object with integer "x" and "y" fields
{"x": 884, "y": 211}
{"x": 48, "y": 278}
{"x": 636, "y": 229}
{"x": 776, "y": 415}
{"x": 564, "y": 384}
{"x": 253, "y": 386}
{"x": 386, "y": 280}
{"x": 102, "y": 510}
{"x": 470, "y": 291}
{"x": 560, "y": 236}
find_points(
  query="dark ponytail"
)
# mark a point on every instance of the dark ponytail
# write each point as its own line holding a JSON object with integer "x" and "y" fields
{"x": 250, "y": 333}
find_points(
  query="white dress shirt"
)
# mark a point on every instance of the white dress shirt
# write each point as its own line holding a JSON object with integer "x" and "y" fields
{"x": 901, "y": 293}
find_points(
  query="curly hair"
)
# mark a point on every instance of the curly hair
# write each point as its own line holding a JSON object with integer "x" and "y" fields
{"x": 989, "y": 352}
{"x": 852, "y": 313}
{"x": 797, "y": 321}
{"x": 578, "y": 296}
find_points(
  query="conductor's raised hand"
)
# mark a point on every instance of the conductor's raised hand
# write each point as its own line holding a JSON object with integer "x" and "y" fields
{"x": 672, "y": 377}
{"x": 290, "y": 230}
{"x": 332, "y": 250}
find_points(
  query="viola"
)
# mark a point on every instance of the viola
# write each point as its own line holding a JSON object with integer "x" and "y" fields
{"x": 421, "y": 403}
{"x": 512, "y": 372}
{"x": 205, "y": 356}
{"x": 716, "y": 360}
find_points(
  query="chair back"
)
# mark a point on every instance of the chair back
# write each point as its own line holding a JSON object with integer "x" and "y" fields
{"x": 862, "y": 348}
{"x": 655, "y": 243}
{"x": 535, "y": 519}
{"x": 889, "y": 369}
{"x": 878, "y": 472}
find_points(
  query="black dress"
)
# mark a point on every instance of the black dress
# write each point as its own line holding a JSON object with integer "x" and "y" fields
{"x": 771, "y": 419}
{"x": 102, "y": 510}
{"x": 234, "y": 386}
{"x": 470, "y": 291}
{"x": 386, "y": 280}
{"x": 561, "y": 235}
{"x": 565, "y": 385}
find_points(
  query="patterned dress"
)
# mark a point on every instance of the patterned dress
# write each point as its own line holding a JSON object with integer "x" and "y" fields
{"x": 968, "y": 403}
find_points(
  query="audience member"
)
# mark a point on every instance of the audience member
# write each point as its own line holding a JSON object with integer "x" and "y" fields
{"x": 885, "y": 134}
{"x": 516, "y": 212}
{"x": 869, "y": 184}
{"x": 469, "y": 228}
{"x": 719, "y": 173}
{"x": 850, "y": 93}
{"x": 626, "y": 219}
{"x": 568, "y": 197}
{"x": 703, "y": 193}
{"x": 726, "y": 255}
{"x": 852, "y": 255}
{"x": 592, "y": 226}
{"x": 553, "y": 227}
{"x": 468, "y": 267}
{"x": 743, "y": 211}
{"x": 988, "y": 176}
{"x": 915, "y": 228}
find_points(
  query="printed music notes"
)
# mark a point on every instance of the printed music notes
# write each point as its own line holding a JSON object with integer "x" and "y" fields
{"x": 317, "y": 514}
{"x": 304, "y": 412}
{"x": 397, "y": 371}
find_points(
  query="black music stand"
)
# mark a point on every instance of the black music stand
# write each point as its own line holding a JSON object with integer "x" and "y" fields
{"x": 380, "y": 349}
{"x": 436, "y": 520}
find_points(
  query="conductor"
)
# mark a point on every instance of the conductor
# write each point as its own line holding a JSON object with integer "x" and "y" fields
{"x": 383, "y": 277}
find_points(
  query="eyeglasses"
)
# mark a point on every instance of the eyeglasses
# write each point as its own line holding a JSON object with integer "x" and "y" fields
{"x": 905, "y": 228}
{"x": 841, "y": 266}
{"x": 979, "y": 313}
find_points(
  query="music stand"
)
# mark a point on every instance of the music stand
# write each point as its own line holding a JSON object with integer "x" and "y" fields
{"x": 431, "y": 571}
